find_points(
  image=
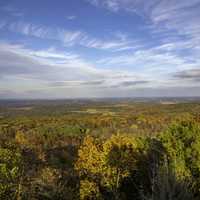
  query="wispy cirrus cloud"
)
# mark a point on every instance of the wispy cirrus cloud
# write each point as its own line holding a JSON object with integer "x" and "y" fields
{"x": 19, "y": 61}
{"x": 113, "y": 45}
{"x": 9, "y": 9}
{"x": 30, "y": 29}
{"x": 71, "y": 17}
{"x": 149, "y": 59}
{"x": 66, "y": 36}
{"x": 180, "y": 16}
{"x": 119, "y": 41}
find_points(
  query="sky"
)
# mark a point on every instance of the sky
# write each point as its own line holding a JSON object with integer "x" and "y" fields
{"x": 99, "y": 48}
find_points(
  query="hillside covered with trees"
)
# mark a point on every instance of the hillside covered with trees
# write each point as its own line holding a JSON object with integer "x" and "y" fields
{"x": 87, "y": 150}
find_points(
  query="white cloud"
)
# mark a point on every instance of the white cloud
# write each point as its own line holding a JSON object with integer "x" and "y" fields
{"x": 50, "y": 69}
{"x": 67, "y": 37}
{"x": 15, "y": 59}
{"x": 48, "y": 59}
{"x": 70, "y": 37}
{"x": 157, "y": 64}
{"x": 30, "y": 29}
{"x": 180, "y": 16}
{"x": 71, "y": 17}
{"x": 119, "y": 42}
{"x": 100, "y": 44}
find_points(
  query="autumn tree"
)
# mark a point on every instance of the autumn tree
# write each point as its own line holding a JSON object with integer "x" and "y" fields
{"x": 106, "y": 164}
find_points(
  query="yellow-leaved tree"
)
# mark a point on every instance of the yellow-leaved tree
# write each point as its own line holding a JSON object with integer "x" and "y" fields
{"x": 105, "y": 164}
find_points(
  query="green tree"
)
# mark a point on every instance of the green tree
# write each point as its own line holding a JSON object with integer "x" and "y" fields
{"x": 182, "y": 144}
{"x": 10, "y": 171}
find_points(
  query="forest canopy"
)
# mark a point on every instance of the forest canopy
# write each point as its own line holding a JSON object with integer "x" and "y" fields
{"x": 141, "y": 151}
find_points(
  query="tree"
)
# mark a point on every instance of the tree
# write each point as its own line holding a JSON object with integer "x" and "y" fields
{"x": 182, "y": 144}
{"x": 106, "y": 163}
{"x": 10, "y": 171}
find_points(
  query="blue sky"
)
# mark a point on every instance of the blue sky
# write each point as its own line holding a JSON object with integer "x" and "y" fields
{"x": 99, "y": 48}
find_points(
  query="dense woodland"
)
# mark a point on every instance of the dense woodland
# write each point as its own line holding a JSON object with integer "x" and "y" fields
{"x": 106, "y": 149}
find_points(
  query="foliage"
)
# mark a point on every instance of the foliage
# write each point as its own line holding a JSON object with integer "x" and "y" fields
{"x": 182, "y": 143}
{"x": 71, "y": 151}
{"x": 89, "y": 190}
{"x": 10, "y": 172}
{"x": 107, "y": 163}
